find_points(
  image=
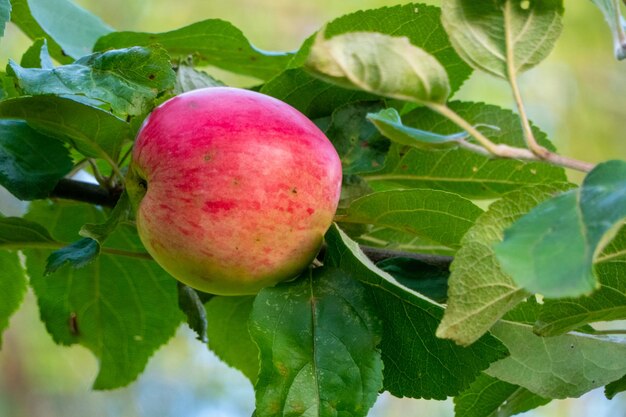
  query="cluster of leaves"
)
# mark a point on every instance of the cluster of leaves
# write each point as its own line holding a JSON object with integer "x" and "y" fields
{"x": 417, "y": 168}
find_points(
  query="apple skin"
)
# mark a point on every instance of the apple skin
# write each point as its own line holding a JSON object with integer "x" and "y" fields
{"x": 233, "y": 190}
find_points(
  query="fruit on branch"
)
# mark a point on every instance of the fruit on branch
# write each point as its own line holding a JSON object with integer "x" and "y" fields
{"x": 233, "y": 190}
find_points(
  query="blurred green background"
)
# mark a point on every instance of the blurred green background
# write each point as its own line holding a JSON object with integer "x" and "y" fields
{"x": 576, "y": 95}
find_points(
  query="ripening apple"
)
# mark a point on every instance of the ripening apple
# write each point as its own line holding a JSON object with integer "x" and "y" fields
{"x": 233, "y": 189}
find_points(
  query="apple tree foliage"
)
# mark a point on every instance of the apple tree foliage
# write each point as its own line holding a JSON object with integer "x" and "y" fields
{"x": 422, "y": 289}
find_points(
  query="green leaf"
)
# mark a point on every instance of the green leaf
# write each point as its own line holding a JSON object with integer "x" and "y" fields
{"x": 503, "y": 38}
{"x": 78, "y": 254}
{"x": 611, "y": 11}
{"x": 420, "y": 23}
{"x": 210, "y": 42}
{"x": 417, "y": 363}
{"x": 86, "y": 250}
{"x": 12, "y": 285}
{"x": 127, "y": 80}
{"x": 557, "y": 367}
{"x": 17, "y": 233}
{"x": 438, "y": 216}
{"x": 92, "y": 305}
{"x": 490, "y": 397}
{"x": 318, "y": 340}
{"x": 122, "y": 212}
{"x": 422, "y": 277}
{"x": 228, "y": 333}
{"x": 30, "y": 163}
{"x": 605, "y": 304}
{"x": 360, "y": 147}
{"x": 311, "y": 96}
{"x": 190, "y": 303}
{"x": 5, "y": 14}
{"x": 380, "y": 64}
{"x": 189, "y": 78}
{"x": 389, "y": 123}
{"x": 94, "y": 132}
{"x": 480, "y": 292}
{"x": 461, "y": 171}
{"x": 37, "y": 55}
{"x": 615, "y": 387}
{"x": 551, "y": 250}
{"x": 7, "y": 87}
{"x": 73, "y": 29}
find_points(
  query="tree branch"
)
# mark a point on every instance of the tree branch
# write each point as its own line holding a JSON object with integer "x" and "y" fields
{"x": 94, "y": 194}
{"x": 86, "y": 192}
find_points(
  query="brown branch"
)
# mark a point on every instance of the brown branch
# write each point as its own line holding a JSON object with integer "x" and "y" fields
{"x": 86, "y": 192}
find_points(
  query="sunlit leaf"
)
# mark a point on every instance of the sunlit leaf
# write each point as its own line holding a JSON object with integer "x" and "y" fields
{"x": 611, "y": 11}
{"x": 420, "y": 23}
{"x": 210, "y": 42}
{"x": 380, "y": 64}
{"x": 504, "y": 37}
{"x": 72, "y": 29}
{"x": 5, "y": 14}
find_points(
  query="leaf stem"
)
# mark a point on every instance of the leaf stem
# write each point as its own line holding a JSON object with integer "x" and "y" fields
{"x": 505, "y": 151}
{"x": 529, "y": 137}
{"x": 60, "y": 245}
{"x": 609, "y": 332}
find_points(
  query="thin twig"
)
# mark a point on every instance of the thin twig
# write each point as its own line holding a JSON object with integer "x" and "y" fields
{"x": 499, "y": 150}
{"x": 529, "y": 137}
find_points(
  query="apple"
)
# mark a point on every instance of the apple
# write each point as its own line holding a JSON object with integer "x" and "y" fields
{"x": 233, "y": 190}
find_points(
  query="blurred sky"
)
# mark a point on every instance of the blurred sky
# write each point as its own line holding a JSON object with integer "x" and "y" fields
{"x": 576, "y": 95}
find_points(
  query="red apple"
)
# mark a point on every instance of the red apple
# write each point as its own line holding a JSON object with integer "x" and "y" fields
{"x": 233, "y": 190}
